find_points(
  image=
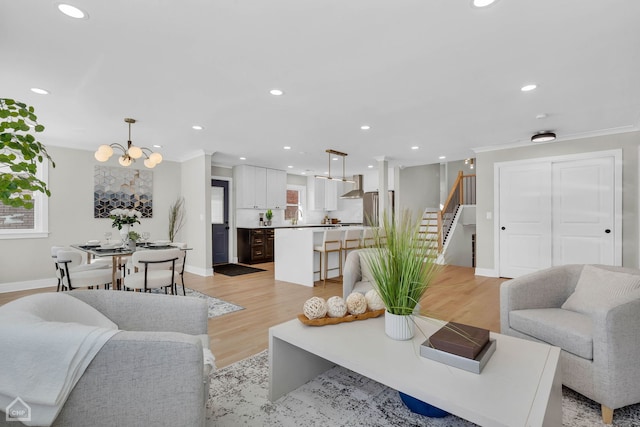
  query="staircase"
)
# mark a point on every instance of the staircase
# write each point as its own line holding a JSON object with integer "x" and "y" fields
{"x": 429, "y": 230}
{"x": 436, "y": 225}
{"x": 463, "y": 192}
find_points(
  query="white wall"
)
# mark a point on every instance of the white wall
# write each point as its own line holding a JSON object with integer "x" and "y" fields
{"x": 485, "y": 189}
{"x": 419, "y": 188}
{"x": 71, "y": 214}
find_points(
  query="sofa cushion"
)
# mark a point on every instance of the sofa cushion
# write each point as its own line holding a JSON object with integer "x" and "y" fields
{"x": 363, "y": 287}
{"x": 597, "y": 287}
{"x": 566, "y": 329}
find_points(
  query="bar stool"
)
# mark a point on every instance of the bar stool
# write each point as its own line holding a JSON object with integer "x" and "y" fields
{"x": 352, "y": 240}
{"x": 331, "y": 242}
{"x": 368, "y": 239}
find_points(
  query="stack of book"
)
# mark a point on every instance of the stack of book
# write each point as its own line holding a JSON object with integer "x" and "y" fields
{"x": 462, "y": 346}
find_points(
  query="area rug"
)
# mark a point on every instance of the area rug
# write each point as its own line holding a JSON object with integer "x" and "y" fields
{"x": 235, "y": 269}
{"x": 217, "y": 307}
{"x": 339, "y": 397}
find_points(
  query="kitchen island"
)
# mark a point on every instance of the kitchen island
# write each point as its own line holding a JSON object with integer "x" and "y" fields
{"x": 295, "y": 260}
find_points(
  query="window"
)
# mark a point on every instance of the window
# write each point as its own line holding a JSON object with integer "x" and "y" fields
{"x": 295, "y": 202}
{"x": 22, "y": 223}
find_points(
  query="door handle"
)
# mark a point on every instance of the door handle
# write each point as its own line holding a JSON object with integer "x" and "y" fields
{"x": 226, "y": 228}
{"x": 503, "y": 228}
{"x": 607, "y": 231}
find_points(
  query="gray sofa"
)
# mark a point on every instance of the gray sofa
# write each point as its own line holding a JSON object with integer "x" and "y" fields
{"x": 149, "y": 374}
{"x": 600, "y": 345}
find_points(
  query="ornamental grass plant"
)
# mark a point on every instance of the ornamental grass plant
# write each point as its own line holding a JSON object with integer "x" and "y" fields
{"x": 402, "y": 263}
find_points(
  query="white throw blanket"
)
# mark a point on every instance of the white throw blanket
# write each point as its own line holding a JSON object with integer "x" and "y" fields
{"x": 46, "y": 343}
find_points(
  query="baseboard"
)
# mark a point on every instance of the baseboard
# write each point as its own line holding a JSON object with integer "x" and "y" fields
{"x": 28, "y": 284}
{"x": 487, "y": 272}
{"x": 205, "y": 272}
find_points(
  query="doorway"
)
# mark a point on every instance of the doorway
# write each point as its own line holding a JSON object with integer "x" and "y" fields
{"x": 557, "y": 211}
{"x": 220, "y": 221}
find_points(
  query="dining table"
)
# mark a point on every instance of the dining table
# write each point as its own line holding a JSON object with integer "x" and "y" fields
{"x": 117, "y": 254}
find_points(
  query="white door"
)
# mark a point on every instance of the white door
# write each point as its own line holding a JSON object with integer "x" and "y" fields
{"x": 525, "y": 220}
{"x": 583, "y": 212}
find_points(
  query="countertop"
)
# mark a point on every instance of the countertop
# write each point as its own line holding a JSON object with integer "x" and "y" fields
{"x": 304, "y": 226}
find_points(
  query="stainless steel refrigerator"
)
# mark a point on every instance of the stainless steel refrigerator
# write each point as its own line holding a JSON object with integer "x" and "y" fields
{"x": 370, "y": 208}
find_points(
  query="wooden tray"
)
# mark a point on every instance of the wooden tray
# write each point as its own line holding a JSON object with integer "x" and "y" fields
{"x": 335, "y": 320}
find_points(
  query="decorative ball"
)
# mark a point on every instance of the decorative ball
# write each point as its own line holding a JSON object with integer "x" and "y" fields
{"x": 374, "y": 302}
{"x": 315, "y": 308}
{"x": 336, "y": 307}
{"x": 356, "y": 303}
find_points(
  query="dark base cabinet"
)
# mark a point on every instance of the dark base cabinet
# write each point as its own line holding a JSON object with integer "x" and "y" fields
{"x": 255, "y": 245}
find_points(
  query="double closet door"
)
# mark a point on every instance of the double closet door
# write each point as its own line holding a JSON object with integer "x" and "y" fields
{"x": 557, "y": 212}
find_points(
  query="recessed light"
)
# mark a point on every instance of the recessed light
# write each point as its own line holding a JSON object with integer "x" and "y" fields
{"x": 529, "y": 87}
{"x": 72, "y": 11}
{"x": 442, "y": 157}
{"x": 276, "y": 92}
{"x": 482, "y": 3}
{"x": 303, "y": 173}
{"x": 541, "y": 116}
{"x": 290, "y": 167}
{"x": 243, "y": 158}
{"x": 335, "y": 158}
{"x": 197, "y": 127}
{"x": 157, "y": 146}
{"x": 365, "y": 127}
{"x": 286, "y": 147}
{"x": 370, "y": 166}
{"x": 415, "y": 147}
{"x": 543, "y": 137}
{"x": 39, "y": 91}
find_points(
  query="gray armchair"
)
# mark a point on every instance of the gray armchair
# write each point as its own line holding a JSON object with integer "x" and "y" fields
{"x": 600, "y": 347}
{"x": 150, "y": 373}
{"x": 353, "y": 279}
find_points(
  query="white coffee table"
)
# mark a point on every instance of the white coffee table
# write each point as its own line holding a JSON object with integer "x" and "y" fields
{"x": 519, "y": 386}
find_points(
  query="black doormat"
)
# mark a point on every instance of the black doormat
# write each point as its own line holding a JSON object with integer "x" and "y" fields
{"x": 235, "y": 269}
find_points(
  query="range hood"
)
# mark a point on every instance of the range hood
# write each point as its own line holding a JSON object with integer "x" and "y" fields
{"x": 357, "y": 192}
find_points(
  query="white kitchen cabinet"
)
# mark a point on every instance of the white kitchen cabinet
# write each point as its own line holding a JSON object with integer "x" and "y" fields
{"x": 322, "y": 194}
{"x": 260, "y": 188}
{"x": 276, "y": 189}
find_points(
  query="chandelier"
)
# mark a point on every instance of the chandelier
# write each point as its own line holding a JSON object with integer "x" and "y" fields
{"x": 130, "y": 153}
{"x": 337, "y": 153}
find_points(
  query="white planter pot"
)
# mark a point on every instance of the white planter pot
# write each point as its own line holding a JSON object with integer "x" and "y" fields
{"x": 398, "y": 327}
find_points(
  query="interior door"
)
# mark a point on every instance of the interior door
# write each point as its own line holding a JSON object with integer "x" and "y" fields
{"x": 220, "y": 221}
{"x": 583, "y": 212}
{"x": 525, "y": 220}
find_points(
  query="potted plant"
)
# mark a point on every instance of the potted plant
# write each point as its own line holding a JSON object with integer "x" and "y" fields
{"x": 133, "y": 238}
{"x": 268, "y": 215}
{"x": 21, "y": 152}
{"x": 122, "y": 220}
{"x": 402, "y": 266}
{"x": 176, "y": 217}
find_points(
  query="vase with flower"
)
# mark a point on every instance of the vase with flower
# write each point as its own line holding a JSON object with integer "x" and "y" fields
{"x": 123, "y": 219}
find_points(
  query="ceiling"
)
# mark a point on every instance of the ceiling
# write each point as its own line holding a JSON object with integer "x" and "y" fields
{"x": 440, "y": 75}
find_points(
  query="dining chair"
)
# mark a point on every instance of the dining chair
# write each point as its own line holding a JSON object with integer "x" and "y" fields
{"x": 153, "y": 269}
{"x": 180, "y": 265}
{"x": 331, "y": 242}
{"x": 54, "y": 256}
{"x": 76, "y": 274}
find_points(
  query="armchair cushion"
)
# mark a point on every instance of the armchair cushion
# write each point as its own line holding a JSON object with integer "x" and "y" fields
{"x": 597, "y": 287}
{"x": 563, "y": 328}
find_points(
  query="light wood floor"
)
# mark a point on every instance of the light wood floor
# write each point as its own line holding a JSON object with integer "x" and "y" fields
{"x": 456, "y": 295}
